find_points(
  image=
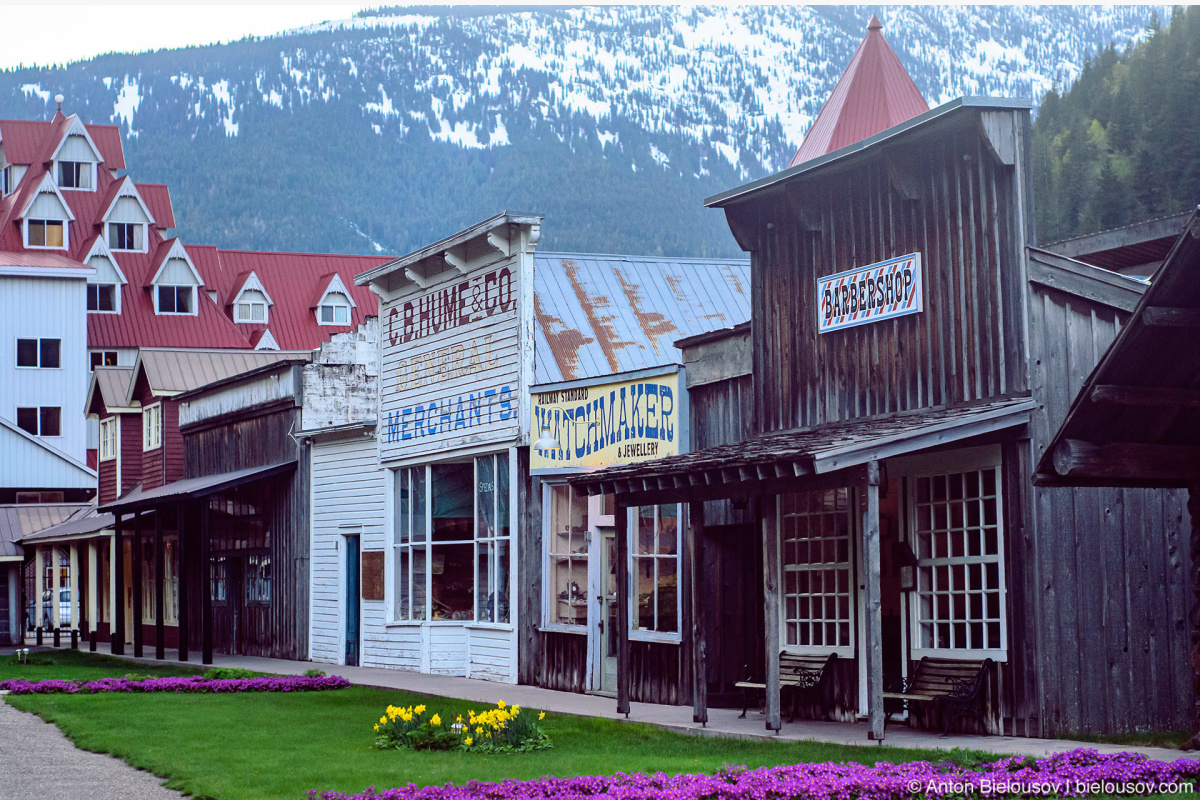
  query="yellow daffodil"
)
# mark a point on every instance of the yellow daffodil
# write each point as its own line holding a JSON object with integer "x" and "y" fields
{"x": 468, "y": 741}
{"x": 459, "y": 718}
{"x": 376, "y": 727}
{"x": 419, "y": 709}
{"x": 479, "y": 731}
{"x": 542, "y": 715}
{"x": 383, "y": 720}
{"x": 435, "y": 720}
{"x": 500, "y": 704}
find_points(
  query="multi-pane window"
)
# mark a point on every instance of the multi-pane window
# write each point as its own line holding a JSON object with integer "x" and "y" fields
{"x": 75, "y": 174}
{"x": 655, "y": 569}
{"x": 960, "y": 565}
{"x": 217, "y": 572}
{"x": 39, "y": 353}
{"x": 101, "y": 297}
{"x": 40, "y": 420}
{"x": 818, "y": 607}
{"x": 108, "y": 439}
{"x": 46, "y": 233}
{"x": 176, "y": 299}
{"x": 451, "y": 541}
{"x": 152, "y": 426}
{"x": 567, "y": 557}
{"x": 170, "y": 580}
{"x": 125, "y": 235}
{"x": 258, "y": 579}
{"x": 102, "y": 358}
{"x": 334, "y": 310}
{"x": 64, "y": 585}
{"x": 6, "y": 180}
{"x": 250, "y": 307}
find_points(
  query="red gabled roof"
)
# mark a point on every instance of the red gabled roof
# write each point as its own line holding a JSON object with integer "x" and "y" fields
{"x": 874, "y": 93}
{"x": 157, "y": 197}
{"x": 295, "y": 282}
{"x": 41, "y": 259}
{"x": 25, "y": 140}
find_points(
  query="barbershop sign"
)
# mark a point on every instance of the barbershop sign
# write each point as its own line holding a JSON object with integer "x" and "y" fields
{"x": 608, "y": 423}
{"x": 870, "y": 294}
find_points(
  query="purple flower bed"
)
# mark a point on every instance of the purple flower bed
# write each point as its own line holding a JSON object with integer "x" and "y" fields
{"x": 1077, "y": 773}
{"x": 194, "y": 684}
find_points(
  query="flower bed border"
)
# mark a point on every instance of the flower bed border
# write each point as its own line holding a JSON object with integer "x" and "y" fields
{"x": 196, "y": 684}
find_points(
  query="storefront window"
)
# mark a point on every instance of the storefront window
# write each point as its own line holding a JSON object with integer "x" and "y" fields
{"x": 567, "y": 557}
{"x": 492, "y": 538}
{"x": 258, "y": 579}
{"x": 408, "y": 537}
{"x": 217, "y": 573}
{"x": 960, "y": 564}
{"x": 655, "y": 569}
{"x": 815, "y": 553}
{"x": 171, "y": 578}
{"x": 147, "y": 554}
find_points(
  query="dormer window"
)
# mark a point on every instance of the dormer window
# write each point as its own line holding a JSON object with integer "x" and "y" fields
{"x": 102, "y": 297}
{"x": 176, "y": 299}
{"x": 49, "y": 233}
{"x": 334, "y": 310}
{"x": 251, "y": 307}
{"x": 75, "y": 174}
{"x": 6, "y": 180}
{"x": 126, "y": 236}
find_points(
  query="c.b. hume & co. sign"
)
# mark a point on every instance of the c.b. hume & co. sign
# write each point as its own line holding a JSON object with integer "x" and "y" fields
{"x": 869, "y": 294}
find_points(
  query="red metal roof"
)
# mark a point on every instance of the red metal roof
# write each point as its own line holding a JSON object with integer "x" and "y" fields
{"x": 37, "y": 258}
{"x": 157, "y": 197}
{"x": 873, "y": 94}
{"x": 24, "y": 141}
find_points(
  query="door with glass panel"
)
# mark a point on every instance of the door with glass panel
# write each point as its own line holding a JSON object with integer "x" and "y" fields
{"x": 604, "y": 610}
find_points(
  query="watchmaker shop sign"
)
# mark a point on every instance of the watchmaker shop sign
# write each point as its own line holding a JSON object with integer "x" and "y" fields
{"x": 869, "y": 294}
{"x": 606, "y": 424}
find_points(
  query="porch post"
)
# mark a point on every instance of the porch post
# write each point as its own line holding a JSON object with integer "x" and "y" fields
{"x": 116, "y": 603}
{"x": 73, "y": 582}
{"x": 621, "y": 518}
{"x": 56, "y": 587}
{"x": 768, "y": 512}
{"x": 135, "y": 559}
{"x": 181, "y": 555}
{"x": 699, "y": 605}
{"x": 206, "y": 635}
{"x": 1194, "y": 512}
{"x": 159, "y": 647}
{"x": 39, "y": 589}
{"x": 93, "y": 557}
{"x": 874, "y": 628}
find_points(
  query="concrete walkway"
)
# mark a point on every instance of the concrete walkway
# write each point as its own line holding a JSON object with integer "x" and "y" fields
{"x": 722, "y": 721}
{"x": 36, "y": 760}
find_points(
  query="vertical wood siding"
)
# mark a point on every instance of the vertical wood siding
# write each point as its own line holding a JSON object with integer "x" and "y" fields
{"x": 1111, "y": 636}
{"x": 966, "y": 344}
{"x": 131, "y": 450}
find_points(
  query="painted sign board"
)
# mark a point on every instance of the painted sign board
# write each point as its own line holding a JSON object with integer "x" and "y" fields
{"x": 608, "y": 423}
{"x": 451, "y": 364}
{"x": 870, "y": 294}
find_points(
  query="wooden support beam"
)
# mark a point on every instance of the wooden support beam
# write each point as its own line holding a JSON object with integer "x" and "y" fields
{"x": 1165, "y": 317}
{"x": 39, "y": 569}
{"x": 55, "y": 587}
{"x": 699, "y": 600}
{"x": 1193, "y": 506}
{"x": 116, "y": 603}
{"x": 159, "y": 646}
{"x": 206, "y": 632}
{"x": 184, "y": 564}
{"x": 73, "y": 581}
{"x": 135, "y": 559}
{"x": 1151, "y": 397}
{"x": 456, "y": 261}
{"x": 621, "y": 520}
{"x": 769, "y": 517}
{"x": 93, "y": 589}
{"x": 874, "y": 606}
{"x": 1128, "y": 461}
{"x": 416, "y": 277}
{"x": 499, "y": 241}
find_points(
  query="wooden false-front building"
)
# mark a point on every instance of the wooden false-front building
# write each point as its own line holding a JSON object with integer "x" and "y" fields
{"x": 911, "y": 354}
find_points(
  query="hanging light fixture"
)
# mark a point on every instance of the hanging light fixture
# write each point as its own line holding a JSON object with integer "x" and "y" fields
{"x": 546, "y": 442}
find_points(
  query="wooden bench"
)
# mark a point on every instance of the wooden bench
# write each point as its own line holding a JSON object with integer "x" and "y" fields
{"x": 957, "y": 688}
{"x": 798, "y": 675}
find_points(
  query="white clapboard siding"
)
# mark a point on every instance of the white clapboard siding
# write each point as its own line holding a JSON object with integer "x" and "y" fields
{"x": 447, "y": 649}
{"x": 347, "y": 497}
{"x": 492, "y": 654}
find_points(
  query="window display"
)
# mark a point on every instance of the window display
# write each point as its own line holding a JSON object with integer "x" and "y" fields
{"x": 567, "y": 558}
{"x": 817, "y": 610}
{"x": 655, "y": 569}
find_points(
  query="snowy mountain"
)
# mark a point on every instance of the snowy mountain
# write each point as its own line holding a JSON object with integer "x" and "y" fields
{"x": 386, "y": 131}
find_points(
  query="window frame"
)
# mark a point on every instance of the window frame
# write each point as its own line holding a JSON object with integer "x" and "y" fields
{"x": 149, "y": 413}
{"x": 334, "y": 309}
{"x": 66, "y": 234}
{"x": 108, "y": 434}
{"x": 103, "y": 354}
{"x": 158, "y": 289}
{"x": 251, "y": 305}
{"x": 252, "y": 580}
{"x": 82, "y": 168}
{"x": 645, "y": 634}
{"x": 136, "y": 230}
{"x": 94, "y": 289}
{"x": 40, "y": 412}
{"x": 39, "y": 352}
{"x": 6, "y": 186}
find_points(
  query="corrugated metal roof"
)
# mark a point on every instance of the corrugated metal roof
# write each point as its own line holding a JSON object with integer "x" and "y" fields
{"x": 157, "y": 197}
{"x": 39, "y": 259}
{"x": 873, "y": 94}
{"x": 183, "y": 369}
{"x": 22, "y": 520}
{"x": 24, "y": 140}
{"x": 603, "y": 314}
{"x": 113, "y": 384}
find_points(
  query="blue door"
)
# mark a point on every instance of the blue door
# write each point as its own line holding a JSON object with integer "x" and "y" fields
{"x": 352, "y": 600}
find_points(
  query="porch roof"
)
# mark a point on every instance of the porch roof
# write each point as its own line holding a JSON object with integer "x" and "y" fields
{"x": 763, "y": 463}
{"x": 140, "y": 500}
{"x": 81, "y": 525}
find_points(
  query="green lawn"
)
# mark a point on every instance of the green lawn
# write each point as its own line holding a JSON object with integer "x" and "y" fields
{"x": 70, "y": 665}
{"x": 280, "y": 745}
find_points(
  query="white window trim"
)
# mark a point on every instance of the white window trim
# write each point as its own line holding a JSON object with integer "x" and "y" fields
{"x": 144, "y": 237}
{"x": 852, "y": 576}
{"x": 195, "y": 298}
{"x": 39, "y": 434}
{"x": 237, "y": 312}
{"x": 6, "y": 173}
{"x": 66, "y": 234}
{"x": 109, "y": 424}
{"x": 38, "y": 339}
{"x": 636, "y": 634}
{"x": 116, "y": 298}
{"x": 153, "y": 410}
{"x": 335, "y": 306}
{"x": 548, "y": 600}
{"x": 967, "y": 461}
{"x": 62, "y": 188}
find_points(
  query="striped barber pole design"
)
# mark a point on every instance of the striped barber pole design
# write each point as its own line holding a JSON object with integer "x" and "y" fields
{"x": 869, "y": 294}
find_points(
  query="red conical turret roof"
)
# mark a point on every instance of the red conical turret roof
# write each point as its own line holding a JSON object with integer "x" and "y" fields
{"x": 874, "y": 93}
